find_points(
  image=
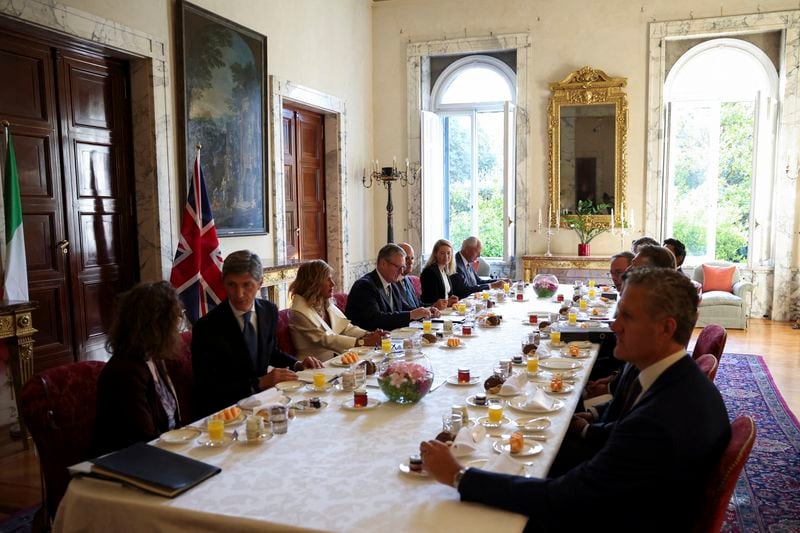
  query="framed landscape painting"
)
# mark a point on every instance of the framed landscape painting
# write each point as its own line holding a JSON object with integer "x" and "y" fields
{"x": 223, "y": 68}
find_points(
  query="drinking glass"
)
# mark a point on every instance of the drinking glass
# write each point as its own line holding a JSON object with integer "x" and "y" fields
{"x": 216, "y": 429}
{"x": 485, "y": 295}
{"x": 427, "y": 325}
{"x": 583, "y": 305}
{"x": 495, "y": 411}
{"x": 462, "y": 308}
{"x": 319, "y": 380}
{"x": 386, "y": 345}
{"x": 463, "y": 375}
{"x": 591, "y": 293}
{"x": 555, "y": 336}
{"x": 591, "y": 283}
{"x": 360, "y": 398}
{"x": 533, "y": 363}
{"x": 572, "y": 317}
{"x": 506, "y": 287}
{"x": 452, "y": 422}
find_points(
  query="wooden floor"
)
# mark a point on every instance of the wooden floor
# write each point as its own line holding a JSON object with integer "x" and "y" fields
{"x": 776, "y": 341}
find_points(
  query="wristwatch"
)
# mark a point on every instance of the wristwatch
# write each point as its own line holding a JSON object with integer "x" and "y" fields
{"x": 458, "y": 476}
{"x": 360, "y": 342}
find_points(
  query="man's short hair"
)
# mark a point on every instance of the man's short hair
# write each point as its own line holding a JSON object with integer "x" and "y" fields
{"x": 626, "y": 255}
{"x": 656, "y": 256}
{"x": 390, "y": 250}
{"x": 680, "y": 248}
{"x": 470, "y": 242}
{"x": 669, "y": 294}
{"x": 243, "y": 262}
{"x": 642, "y": 241}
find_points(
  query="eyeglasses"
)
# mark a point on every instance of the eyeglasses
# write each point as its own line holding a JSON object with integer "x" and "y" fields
{"x": 398, "y": 267}
{"x": 617, "y": 272}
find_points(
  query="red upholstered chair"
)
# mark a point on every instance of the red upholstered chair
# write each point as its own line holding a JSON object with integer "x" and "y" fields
{"x": 711, "y": 340}
{"x": 182, "y": 376}
{"x": 708, "y": 364}
{"x": 723, "y": 480}
{"x": 340, "y": 300}
{"x": 415, "y": 281}
{"x": 285, "y": 342}
{"x": 59, "y": 407}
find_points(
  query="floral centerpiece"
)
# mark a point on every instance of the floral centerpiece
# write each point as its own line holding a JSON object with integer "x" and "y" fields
{"x": 545, "y": 285}
{"x": 405, "y": 381}
{"x": 584, "y": 223}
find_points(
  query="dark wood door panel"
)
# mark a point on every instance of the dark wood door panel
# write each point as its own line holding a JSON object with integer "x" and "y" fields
{"x": 95, "y": 169}
{"x": 26, "y": 69}
{"x": 311, "y": 180}
{"x": 311, "y": 184}
{"x": 101, "y": 242}
{"x": 34, "y": 163}
{"x": 92, "y": 94}
{"x": 52, "y": 341}
{"x": 291, "y": 221}
{"x": 41, "y": 257}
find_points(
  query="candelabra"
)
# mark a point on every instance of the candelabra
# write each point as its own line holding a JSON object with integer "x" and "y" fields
{"x": 622, "y": 232}
{"x": 549, "y": 231}
{"x": 387, "y": 176}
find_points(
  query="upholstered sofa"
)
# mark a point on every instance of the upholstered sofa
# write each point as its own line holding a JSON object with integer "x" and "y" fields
{"x": 729, "y": 309}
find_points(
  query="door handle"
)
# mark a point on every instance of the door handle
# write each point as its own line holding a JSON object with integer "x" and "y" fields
{"x": 297, "y": 232}
{"x": 63, "y": 246}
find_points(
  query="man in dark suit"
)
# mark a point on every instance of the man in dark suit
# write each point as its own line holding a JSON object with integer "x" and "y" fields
{"x": 471, "y": 249}
{"x": 660, "y": 454}
{"x": 407, "y": 289}
{"x": 234, "y": 345}
{"x": 375, "y": 301}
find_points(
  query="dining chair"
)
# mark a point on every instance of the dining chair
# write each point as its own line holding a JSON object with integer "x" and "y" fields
{"x": 720, "y": 487}
{"x": 340, "y": 300}
{"x": 708, "y": 364}
{"x": 59, "y": 407}
{"x": 711, "y": 340}
{"x": 182, "y": 376}
{"x": 283, "y": 335}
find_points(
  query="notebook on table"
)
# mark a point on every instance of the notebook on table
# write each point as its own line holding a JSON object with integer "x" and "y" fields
{"x": 153, "y": 469}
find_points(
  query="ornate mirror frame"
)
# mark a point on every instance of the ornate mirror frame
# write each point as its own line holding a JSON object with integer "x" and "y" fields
{"x": 589, "y": 87}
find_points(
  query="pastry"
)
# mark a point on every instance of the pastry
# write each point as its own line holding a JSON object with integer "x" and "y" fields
{"x": 574, "y": 351}
{"x": 453, "y": 342}
{"x": 348, "y": 358}
{"x": 529, "y": 348}
{"x": 544, "y": 324}
{"x": 493, "y": 320}
{"x": 557, "y": 383}
{"x": 493, "y": 384}
{"x": 370, "y": 367}
{"x": 231, "y": 413}
{"x": 515, "y": 442}
{"x": 445, "y": 436}
{"x": 430, "y": 338}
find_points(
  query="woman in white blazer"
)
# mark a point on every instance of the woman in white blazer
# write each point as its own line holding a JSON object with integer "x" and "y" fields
{"x": 317, "y": 326}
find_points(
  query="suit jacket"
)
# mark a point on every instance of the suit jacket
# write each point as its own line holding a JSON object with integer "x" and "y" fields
{"x": 469, "y": 282}
{"x": 657, "y": 461}
{"x": 409, "y": 293}
{"x": 433, "y": 287}
{"x": 128, "y": 407}
{"x": 368, "y": 306}
{"x": 313, "y": 336}
{"x": 223, "y": 370}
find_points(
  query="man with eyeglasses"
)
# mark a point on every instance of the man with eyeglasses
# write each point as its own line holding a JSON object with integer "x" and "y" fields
{"x": 619, "y": 264}
{"x": 375, "y": 300}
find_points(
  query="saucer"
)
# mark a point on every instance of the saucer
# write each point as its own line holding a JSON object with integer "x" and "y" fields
{"x": 180, "y": 436}
{"x": 244, "y": 441}
{"x": 313, "y": 388}
{"x": 453, "y": 380}
{"x": 528, "y": 448}
{"x": 226, "y": 440}
{"x": 568, "y": 387}
{"x": 304, "y": 406}
{"x": 560, "y": 363}
{"x": 484, "y": 421}
{"x": 372, "y": 403}
{"x": 518, "y": 403}
{"x": 289, "y": 386}
{"x": 471, "y": 401}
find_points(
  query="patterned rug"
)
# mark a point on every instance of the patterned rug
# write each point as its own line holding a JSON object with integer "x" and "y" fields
{"x": 767, "y": 495}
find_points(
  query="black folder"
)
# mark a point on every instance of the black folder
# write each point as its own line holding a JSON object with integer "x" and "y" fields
{"x": 153, "y": 469}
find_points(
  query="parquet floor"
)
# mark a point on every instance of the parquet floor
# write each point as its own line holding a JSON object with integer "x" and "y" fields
{"x": 776, "y": 341}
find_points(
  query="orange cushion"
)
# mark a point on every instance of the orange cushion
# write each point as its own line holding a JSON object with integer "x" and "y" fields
{"x": 717, "y": 278}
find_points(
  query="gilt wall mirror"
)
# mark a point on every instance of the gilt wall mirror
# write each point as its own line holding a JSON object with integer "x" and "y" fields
{"x": 588, "y": 128}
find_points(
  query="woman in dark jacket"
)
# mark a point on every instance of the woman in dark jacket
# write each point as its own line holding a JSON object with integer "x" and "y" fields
{"x": 136, "y": 401}
{"x": 439, "y": 279}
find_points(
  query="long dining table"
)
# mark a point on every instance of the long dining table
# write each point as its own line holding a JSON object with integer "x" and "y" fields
{"x": 337, "y": 469}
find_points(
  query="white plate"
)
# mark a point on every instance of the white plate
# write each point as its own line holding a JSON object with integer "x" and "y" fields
{"x": 583, "y": 353}
{"x": 507, "y": 394}
{"x": 568, "y": 387}
{"x": 362, "y": 350}
{"x": 518, "y": 403}
{"x": 304, "y": 406}
{"x": 179, "y": 436}
{"x": 312, "y": 388}
{"x": 404, "y": 468}
{"x": 475, "y": 463}
{"x": 528, "y": 447}
{"x": 484, "y": 421}
{"x": 457, "y": 334}
{"x": 544, "y": 376}
{"x": 444, "y": 346}
{"x": 580, "y": 344}
{"x": 560, "y": 363}
{"x": 471, "y": 401}
{"x": 232, "y": 422}
{"x": 337, "y": 362}
{"x": 537, "y": 423}
{"x": 404, "y": 333}
{"x": 244, "y": 441}
{"x": 227, "y": 439}
{"x": 372, "y": 403}
{"x": 453, "y": 380}
{"x": 289, "y": 386}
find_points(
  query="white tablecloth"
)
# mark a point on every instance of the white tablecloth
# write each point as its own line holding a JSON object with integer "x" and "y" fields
{"x": 334, "y": 470}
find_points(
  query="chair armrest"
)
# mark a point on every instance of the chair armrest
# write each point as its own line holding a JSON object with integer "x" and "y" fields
{"x": 741, "y": 288}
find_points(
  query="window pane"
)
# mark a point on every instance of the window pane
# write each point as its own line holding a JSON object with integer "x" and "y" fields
{"x": 490, "y": 183}
{"x": 458, "y": 173}
{"x": 477, "y": 84}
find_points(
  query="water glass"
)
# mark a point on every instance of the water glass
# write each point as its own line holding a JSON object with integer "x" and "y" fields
{"x": 452, "y": 423}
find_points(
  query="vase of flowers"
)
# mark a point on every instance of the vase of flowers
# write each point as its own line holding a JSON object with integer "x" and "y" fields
{"x": 405, "y": 380}
{"x": 545, "y": 285}
{"x": 585, "y": 224}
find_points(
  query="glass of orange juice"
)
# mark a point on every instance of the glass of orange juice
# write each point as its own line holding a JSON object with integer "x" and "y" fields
{"x": 495, "y": 411}
{"x": 533, "y": 363}
{"x": 572, "y": 319}
{"x": 216, "y": 429}
{"x": 506, "y": 287}
{"x": 583, "y": 305}
{"x": 319, "y": 380}
{"x": 462, "y": 308}
{"x": 386, "y": 345}
{"x": 555, "y": 336}
{"x": 427, "y": 325}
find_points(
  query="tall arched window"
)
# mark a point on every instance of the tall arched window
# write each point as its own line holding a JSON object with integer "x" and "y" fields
{"x": 721, "y": 99}
{"x": 473, "y": 102}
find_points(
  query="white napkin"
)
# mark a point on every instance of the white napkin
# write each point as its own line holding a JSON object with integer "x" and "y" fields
{"x": 263, "y": 398}
{"x": 504, "y": 464}
{"x": 514, "y": 385}
{"x": 467, "y": 440}
{"x": 538, "y": 400}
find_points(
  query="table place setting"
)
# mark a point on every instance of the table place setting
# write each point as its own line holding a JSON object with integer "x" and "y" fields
{"x": 537, "y": 402}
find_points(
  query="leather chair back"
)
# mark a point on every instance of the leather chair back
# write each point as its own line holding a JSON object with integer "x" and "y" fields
{"x": 283, "y": 335}
{"x": 340, "y": 300}
{"x": 708, "y": 364}
{"x": 59, "y": 407}
{"x": 711, "y": 340}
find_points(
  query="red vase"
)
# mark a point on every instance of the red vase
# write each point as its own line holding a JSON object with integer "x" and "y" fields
{"x": 584, "y": 250}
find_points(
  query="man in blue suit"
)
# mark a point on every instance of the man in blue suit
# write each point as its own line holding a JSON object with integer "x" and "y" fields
{"x": 234, "y": 345}
{"x": 407, "y": 289}
{"x": 660, "y": 454}
{"x": 471, "y": 249}
{"x": 375, "y": 301}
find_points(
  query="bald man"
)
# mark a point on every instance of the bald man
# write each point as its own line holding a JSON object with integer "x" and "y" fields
{"x": 471, "y": 249}
{"x": 407, "y": 289}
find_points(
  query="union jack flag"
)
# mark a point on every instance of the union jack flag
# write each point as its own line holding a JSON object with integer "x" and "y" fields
{"x": 197, "y": 269}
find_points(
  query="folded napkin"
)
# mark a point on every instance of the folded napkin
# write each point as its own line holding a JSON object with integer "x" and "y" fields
{"x": 467, "y": 440}
{"x": 504, "y": 464}
{"x": 514, "y": 385}
{"x": 538, "y": 400}
{"x": 307, "y": 375}
{"x": 262, "y": 399}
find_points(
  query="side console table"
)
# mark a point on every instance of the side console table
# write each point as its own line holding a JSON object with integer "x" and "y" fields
{"x": 16, "y": 328}
{"x": 567, "y": 268}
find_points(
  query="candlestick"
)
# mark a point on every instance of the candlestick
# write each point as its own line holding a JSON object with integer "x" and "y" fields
{"x": 549, "y": 215}
{"x": 540, "y": 217}
{"x": 612, "y": 220}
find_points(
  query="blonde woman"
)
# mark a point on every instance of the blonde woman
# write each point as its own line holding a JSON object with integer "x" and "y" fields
{"x": 440, "y": 283}
{"x": 317, "y": 326}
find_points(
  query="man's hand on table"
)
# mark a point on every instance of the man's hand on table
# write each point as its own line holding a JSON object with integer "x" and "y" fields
{"x": 438, "y": 461}
{"x": 310, "y": 362}
{"x": 578, "y": 422}
{"x": 434, "y": 313}
{"x": 276, "y": 375}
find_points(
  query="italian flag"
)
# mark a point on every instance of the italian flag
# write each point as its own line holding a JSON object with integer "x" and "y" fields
{"x": 16, "y": 271}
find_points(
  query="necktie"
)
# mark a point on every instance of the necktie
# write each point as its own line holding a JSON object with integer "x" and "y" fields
{"x": 631, "y": 396}
{"x": 389, "y": 295}
{"x": 250, "y": 339}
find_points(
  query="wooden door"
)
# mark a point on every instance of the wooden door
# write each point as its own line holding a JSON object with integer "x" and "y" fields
{"x": 70, "y": 119}
{"x": 304, "y": 171}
